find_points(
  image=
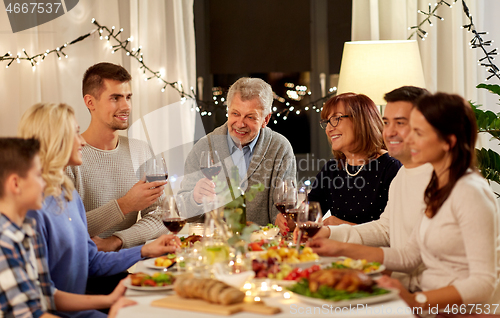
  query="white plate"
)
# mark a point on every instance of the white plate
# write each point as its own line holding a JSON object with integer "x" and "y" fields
{"x": 256, "y": 254}
{"x": 329, "y": 260}
{"x": 304, "y": 265}
{"x": 282, "y": 283}
{"x": 150, "y": 263}
{"x": 264, "y": 235}
{"x": 129, "y": 285}
{"x": 393, "y": 294}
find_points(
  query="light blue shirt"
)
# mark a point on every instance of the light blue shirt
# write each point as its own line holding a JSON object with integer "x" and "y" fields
{"x": 241, "y": 156}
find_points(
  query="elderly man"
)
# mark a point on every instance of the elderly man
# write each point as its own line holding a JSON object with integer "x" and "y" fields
{"x": 261, "y": 155}
{"x": 107, "y": 181}
{"x": 406, "y": 193}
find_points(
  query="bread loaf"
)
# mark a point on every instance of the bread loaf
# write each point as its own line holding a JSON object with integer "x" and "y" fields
{"x": 210, "y": 290}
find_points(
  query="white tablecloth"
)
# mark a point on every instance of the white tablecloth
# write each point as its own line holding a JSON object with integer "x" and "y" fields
{"x": 289, "y": 307}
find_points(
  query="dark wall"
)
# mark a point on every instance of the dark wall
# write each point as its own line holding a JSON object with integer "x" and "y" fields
{"x": 259, "y": 36}
{"x": 339, "y": 31}
{"x": 267, "y": 38}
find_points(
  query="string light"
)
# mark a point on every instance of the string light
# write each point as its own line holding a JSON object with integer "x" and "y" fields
{"x": 478, "y": 42}
{"x": 104, "y": 32}
{"x": 421, "y": 33}
{"x": 204, "y": 107}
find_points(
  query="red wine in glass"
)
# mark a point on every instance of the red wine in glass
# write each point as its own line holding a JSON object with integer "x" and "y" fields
{"x": 157, "y": 177}
{"x": 291, "y": 217}
{"x": 210, "y": 164}
{"x": 310, "y": 229}
{"x": 291, "y": 214}
{"x": 283, "y": 206}
{"x": 211, "y": 171}
{"x": 174, "y": 225}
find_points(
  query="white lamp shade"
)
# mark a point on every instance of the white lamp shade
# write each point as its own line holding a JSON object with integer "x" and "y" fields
{"x": 374, "y": 68}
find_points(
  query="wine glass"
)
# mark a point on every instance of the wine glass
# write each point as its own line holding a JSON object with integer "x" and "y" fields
{"x": 172, "y": 217}
{"x": 210, "y": 164}
{"x": 285, "y": 200}
{"x": 156, "y": 170}
{"x": 310, "y": 220}
{"x": 301, "y": 195}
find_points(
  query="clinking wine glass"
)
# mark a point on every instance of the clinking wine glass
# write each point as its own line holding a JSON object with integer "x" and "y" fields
{"x": 172, "y": 218}
{"x": 156, "y": 170}
{"x": 310, "y": 220}
{"x": 210, "y": 164}
{"x": 285, "y": 200}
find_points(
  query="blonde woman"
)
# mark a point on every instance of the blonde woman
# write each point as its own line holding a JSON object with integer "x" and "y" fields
{"x": 72, "y": 255}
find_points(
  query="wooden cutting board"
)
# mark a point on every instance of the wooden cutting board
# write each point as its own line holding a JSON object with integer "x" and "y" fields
{"x": 176, "y": 302}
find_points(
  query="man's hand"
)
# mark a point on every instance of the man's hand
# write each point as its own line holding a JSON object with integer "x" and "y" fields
{"x": 166, "y": 243}
{"x": 324, "y": 232}
{"x": 282, "y": 224}
{"x": 326, "y": 247}
{"x": 110, "y": 244}
{"x": 203, "y": 188}
{"x": 140, "y": 196}
{"x": 333, "y": 220}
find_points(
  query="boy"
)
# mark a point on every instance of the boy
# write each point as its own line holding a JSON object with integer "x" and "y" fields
{"x": 25, "y": 286}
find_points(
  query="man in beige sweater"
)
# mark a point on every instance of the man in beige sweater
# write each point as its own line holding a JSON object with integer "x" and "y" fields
{"x": 109, "y": 180}
{"x": 406, "y": 192}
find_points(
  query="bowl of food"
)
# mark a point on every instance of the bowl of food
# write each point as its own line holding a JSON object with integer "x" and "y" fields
{"x": 265, "y": 233}
{"x": 358, "y": 264}
{"x": 340, "y": 287}
{"x": 291, "y": 256}
{"x": 145, "y": 282}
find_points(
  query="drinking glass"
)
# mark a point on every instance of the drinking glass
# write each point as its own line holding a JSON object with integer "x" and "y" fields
{"x": 172, "y": 217}
{"x": 215, "y": 233}
{"x": 156, "y": 170}
{"x": 285, "y": 200}
{"x": 310, "y": 220}
{"x": 210, "y": 164}
{"x": 301, "y": 195}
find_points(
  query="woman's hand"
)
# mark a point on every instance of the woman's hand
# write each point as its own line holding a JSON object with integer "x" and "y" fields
{"x": 333, "y": 220}
{"x": 324, "y": 232}
{"x": 326, "y": 247}
{"x": 282, "y": 224}
{"x": 387, "y": 282}
{"x": 167, "y": 243}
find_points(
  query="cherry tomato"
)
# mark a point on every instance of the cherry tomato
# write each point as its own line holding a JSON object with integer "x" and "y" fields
{"x": 315, "y": 268}
{"x": 255, "y": 247}
{"x": 149, "y": 282}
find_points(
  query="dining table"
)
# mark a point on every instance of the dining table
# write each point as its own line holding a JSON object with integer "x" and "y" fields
{"x": 287, "y": 302}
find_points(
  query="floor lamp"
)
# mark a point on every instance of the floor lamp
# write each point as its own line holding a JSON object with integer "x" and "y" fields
{"x": 374, "y": 68}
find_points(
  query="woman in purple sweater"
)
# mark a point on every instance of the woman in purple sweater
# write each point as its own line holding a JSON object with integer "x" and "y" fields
{"x": 72, "y": 255}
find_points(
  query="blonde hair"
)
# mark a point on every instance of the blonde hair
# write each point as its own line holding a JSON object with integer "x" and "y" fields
{"x": 51, "y": 124}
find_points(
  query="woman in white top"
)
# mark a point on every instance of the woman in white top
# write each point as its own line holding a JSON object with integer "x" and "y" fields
{"x": 456, "y": 237}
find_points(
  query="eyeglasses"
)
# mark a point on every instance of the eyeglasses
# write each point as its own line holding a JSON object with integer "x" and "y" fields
{"x": 334, "y": 121}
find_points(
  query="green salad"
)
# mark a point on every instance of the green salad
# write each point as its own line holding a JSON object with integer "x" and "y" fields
{"x": 268, "y": 227}
{"x": 328, "y": 293}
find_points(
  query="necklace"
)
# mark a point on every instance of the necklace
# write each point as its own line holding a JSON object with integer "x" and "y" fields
{"x": 353, "y": 174}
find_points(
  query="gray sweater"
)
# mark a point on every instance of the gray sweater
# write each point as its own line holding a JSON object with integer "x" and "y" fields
{"x": 104, "y": 177}
{"x": 272, "y": 160}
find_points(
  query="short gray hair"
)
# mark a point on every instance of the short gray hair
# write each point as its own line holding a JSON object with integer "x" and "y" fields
{"x": 250, "y": 88}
